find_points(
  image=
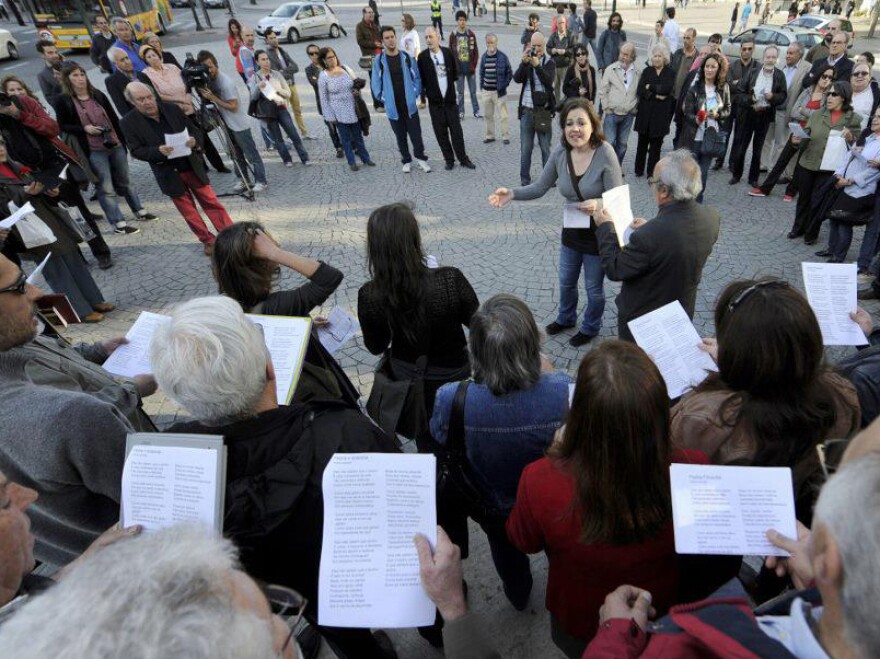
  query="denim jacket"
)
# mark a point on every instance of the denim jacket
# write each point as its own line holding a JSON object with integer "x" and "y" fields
{"x": 503, "y": 434}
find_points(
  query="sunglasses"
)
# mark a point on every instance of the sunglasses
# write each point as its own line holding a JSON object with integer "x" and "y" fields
{"x": 835, "y": 94}
{"x": 827, "y": 77}
{"x": 740, "y": 297}
{"x": 18, "y": 286}
{"x": 861, "y": 74}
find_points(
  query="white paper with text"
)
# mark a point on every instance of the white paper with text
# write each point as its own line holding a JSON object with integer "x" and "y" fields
{"x": 831, "y": 292}
{"x": 374, "y": 503}
{"x": 728, "y": 510}
{"x": 133, "y": 358}
{"x": 16, "y": 215}
{"x": 617, "y": 204}
{"x": 671, "y": 341}
{"x": 286, "y": 338}
{"x": 338, "y": 330}
{"x": 178, "y": 142}
{"x": 574, "y": 218}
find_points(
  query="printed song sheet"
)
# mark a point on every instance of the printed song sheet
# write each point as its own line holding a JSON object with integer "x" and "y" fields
{"x": 728, "y": 510}
{"x": 133, "y": 358}
{"x": 573, "y": 217}
{"x": 797, "y": 131}
{"x": 374, "y": 503}
{"x": 286, "y": 338}
{"x": 338, "y": 330}
{"x": 38, "y": 270}
{"x": 831, "y": 291}
{"x": 178, "y": 141}
{"x": 617, "y": 204}
{"x": 164, "y": 483}
{"x": 671, "y": 341}
{"x": 17, "y": 214}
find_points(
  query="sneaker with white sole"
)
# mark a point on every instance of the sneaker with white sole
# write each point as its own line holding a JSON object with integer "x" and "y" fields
{"x": 407, "y": 167}
{"x": 239, "y": 187}
{"x": 259, "y": 187}
{"x": 145, "y": 216}
{"x": 123, "y": 229}
{"x": 424, "y": 165}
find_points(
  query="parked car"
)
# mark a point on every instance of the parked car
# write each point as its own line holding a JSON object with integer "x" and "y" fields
{"x": 820, "y": 22}
{"x": 780, "y": 36}
{"x": 297, "y": 20}
{"x": 8, "y": 46}
{"x": 216, "y": 4}
{"x": 182, "y": 3}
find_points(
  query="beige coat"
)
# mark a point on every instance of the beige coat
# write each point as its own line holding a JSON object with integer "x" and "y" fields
{"x": 614, "y": 95}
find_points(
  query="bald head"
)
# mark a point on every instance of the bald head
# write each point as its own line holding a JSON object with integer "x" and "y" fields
{"x": 142, "y": 98}
{"x": 627, "y": 54}
{"x": 538, "y": 42}
{"x": 432, "y": 39}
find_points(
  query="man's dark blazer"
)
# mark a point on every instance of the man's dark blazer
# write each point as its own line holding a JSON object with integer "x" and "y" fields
{"x": 663, "y": 261}
{"x": 144, "y": 142}
{"x": 428, "y": 72}
{"x": 842, "y": 71}
{"x": 115, "y": 84}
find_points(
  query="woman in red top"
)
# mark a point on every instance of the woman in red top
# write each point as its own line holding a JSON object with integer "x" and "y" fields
{"x": 599, "y": 504}
{"x": 233, "y": 39}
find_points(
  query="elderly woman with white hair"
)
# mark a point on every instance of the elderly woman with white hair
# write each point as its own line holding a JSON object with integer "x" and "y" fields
{"x": 506, "y": 419}
{"x": 655, "y": 110}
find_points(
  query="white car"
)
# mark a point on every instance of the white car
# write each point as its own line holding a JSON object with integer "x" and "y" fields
{"x": 767, "y": 35}
{"x": 8, "y": 46}
{"x": 296, "y": 20}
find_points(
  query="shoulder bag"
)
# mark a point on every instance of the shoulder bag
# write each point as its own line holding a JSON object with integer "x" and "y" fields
{"x": 366, "y": 62}
{"x": 262, "y": 108}
{"x": 715, "y": 140}
{"x": 398, "y": 406}
{"x": 542, "y": 116}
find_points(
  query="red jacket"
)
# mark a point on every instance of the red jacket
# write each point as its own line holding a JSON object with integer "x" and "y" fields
{"x": 580, "y": 576}
{"x": 33, "y": 116}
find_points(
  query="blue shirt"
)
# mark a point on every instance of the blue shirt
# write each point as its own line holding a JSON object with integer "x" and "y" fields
{"x": 503, "y": 434}
{"x": 132, "y": 51}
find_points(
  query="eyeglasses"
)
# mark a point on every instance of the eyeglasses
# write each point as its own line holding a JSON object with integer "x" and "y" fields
{"x": 747, "y": 48}
{"x": 740, "y": 297}
{"x": 861, "y": 74}
{"x": 313, "y": 53}
{"x": 830, "y": 453}
{"x": 827, "y": 76}
{"x": 18, "y": 286}
{"x": 288, "y": 604}
{"x": 835, "y": 94}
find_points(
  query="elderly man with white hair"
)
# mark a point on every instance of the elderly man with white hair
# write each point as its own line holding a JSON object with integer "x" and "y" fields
{"x": 663, "y": 261}
{"x": 116, "y": 82}
{"x": 174, "y": 593}
{"x": 211, "y": 359}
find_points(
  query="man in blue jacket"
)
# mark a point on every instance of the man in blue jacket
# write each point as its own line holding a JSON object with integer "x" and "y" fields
{"x": 495, "y": 76}
{"x": 396, "y": 83}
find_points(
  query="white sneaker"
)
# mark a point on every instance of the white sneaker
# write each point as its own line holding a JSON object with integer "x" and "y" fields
{"x": 407, "y": 168}
{"x": 259, "y": 187}
{"x": 239, "y": 187}
{"x": 424, "y": 165}
{"x": 307, "y": 163}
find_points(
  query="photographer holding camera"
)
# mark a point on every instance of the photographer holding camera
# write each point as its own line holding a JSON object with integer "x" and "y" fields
{"x": 536, "y": 73}
{"x": 219, "y": 89}
{"x": 86, "y": 113}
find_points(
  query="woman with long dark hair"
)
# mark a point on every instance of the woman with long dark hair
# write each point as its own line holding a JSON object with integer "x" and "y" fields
{"x": 234, "y": 41}
{"x": 337, "y": 88}
{"x": 773, "y": 399}
{"x": 247, "y": 263}
{"x": 409, "y": 311}
{"x": 580, "y": 78}
{"x": 706, "y": 107}
{"x": 86, "y": 113}
{"x": 584, "y": 166}
{"x": 599, "y": 503}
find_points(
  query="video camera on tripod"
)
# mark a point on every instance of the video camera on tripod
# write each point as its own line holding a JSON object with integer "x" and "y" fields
{"x": 194, "y": 74}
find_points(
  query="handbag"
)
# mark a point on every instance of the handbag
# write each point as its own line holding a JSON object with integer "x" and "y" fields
{"x": 542, "y": 116}
{"x": 73, "y": 219}
{"x": 398, "y": 406}
{"x": 262, "y": 108}
{"x": 714, "y": 142}
{"x": 366, "y": 62}
{"x": 854, "y": 211}
{"x": 32, "y": 230}
{"x": 456, "y": 486}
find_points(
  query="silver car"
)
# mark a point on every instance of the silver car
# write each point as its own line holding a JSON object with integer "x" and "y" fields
{"x": 296, "y": 20}
{"x": 780, "y": 36}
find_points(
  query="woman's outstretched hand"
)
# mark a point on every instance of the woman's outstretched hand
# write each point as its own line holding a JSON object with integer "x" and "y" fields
{"x": 501, "y": 197}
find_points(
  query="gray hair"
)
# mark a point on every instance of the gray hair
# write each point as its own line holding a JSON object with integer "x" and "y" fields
{"x": 505, "y": 345}
{"x": 856, "y": 487}
{"x": 162, "y": 594}
{"x": 628, "y": 44}
{"x": 116, "y": 20}
{"x": 211, "y": 360}
{"x": 491, "y": 35}
{"x": 663, "y": 50}
{"x": 680, "y": 175}
{"x": 113, "y": 52}
{"x": 799, "y": 46}
{"x": 771, "y": 47}
{"x": 133, "y": 86}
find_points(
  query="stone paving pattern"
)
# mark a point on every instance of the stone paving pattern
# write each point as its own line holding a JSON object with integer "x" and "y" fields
{"x": 321, "y": 212}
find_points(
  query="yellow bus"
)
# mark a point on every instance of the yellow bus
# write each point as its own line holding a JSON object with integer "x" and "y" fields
{"x": 69, "y": 22}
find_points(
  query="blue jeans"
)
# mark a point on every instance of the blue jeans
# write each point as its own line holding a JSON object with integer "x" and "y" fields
{"x": 527, "y": 145}
{"x": 352, "y": 142}
{"x": 411, "y": 127}
{"x": 67, "y": 273}
{"x": 111, "y": 168}
{"x": 472, "y": 86}
{"x": 616, "y": 128}
{"x": 839, "y": 239}
{"x": 570, "y": 263}
{"x": 285, "y": 121}
{"x": 871, "y": 239}
{"x": 247, "y": 154}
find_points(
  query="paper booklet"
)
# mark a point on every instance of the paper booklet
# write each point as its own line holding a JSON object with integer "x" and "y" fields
{"x": 173, "y": 478}
{"x": 286, "y": 338}
{"x": 831, "y": 292}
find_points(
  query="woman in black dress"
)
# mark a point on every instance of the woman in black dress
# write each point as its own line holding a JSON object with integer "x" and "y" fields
{"x": 656, "y": 107}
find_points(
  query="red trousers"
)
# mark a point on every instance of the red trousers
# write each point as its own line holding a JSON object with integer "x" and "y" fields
{"x": 208, "y": 201}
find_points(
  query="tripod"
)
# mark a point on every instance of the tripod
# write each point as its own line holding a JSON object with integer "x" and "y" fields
{"x": 212, "y": 120}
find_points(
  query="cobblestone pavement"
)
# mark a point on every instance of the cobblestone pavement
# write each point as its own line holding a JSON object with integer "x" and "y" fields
{"x": 321, "y": 212}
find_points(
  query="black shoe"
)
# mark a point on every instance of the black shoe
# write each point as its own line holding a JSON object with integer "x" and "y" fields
{"x": 794, "y": 234}
{"x": 733, "y": 180}
{"x": 309, "y": 641}
{"x": 468, "y": 164}
{"x": 507, "y": 141}
{"x": 834, "y": 260}
{"x": 105, "y": 262}
{"x": 754, "y": 184}
{"x": 146, "y": 217}
{"x": 718, "y": 165}
{"x": 224, "y": 170}
{"x": 386, "y": 646}
{"x": 810, "y": 241}
{"x": 126, "y": 230}
{"x": 823, "y": 252}
{"x": 450, "y": 165}
{"x": 488, "y": 141}
{"x": 370, "y": 163}
{"x": 580, "y": 339}
{"x": 339, "y": 153}
{"x": 555, "y": 328}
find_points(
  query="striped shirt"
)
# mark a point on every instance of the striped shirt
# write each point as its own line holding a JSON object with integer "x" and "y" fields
{"x": 490, "y": 73}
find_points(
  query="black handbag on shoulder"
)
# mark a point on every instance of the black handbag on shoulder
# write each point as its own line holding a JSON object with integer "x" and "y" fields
{"x": 714, "y": 142}
{"x": 398, "y": 405}
{"x": 262, "y": 108}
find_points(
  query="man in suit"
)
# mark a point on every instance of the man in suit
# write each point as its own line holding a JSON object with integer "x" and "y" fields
{"x": 837, "y": 58}
{"x": 664, "y": 258}
{"x": 180, "y": 178}
{"x": 438, "y": 70}
{"x": 116, "y": 82}
{"x": 737, "y": 78}
{"x": 795, "y": 69}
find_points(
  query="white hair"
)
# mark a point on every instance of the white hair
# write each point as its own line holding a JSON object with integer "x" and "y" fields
{"x": 663, "y": 50}
{"x": 680, "y": 174}
{"x": 849, "y": 507}
{"x": 798, "y": 45}
{"x": 211, "y": 360}
{"x": 113, "y": 52}
{"x": 132, "y": 87}
{"x": 161, "y": 595}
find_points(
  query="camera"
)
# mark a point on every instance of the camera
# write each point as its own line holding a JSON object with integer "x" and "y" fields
{"x": 195, "y": 75}
{"x": 5, "y": 100}
{"x": 107, "y": 136}
{"x": 533, "y": 52}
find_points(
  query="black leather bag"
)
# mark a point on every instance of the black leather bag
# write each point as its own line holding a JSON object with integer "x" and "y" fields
{"x": 714, "y": 142}
{"x": 398, "y": 406}
{"x": 853, "y": 211}
{"x": 263, "y": 108}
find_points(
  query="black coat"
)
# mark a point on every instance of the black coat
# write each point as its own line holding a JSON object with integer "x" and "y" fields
{"x": 779, "y": 90}
{"x": 654, "y": 115}
{"x": 69, "y": 121}
{"x": 144, "y": 143}
{"x": 428, "y": 73}
{"x": 115, "y": 84}
{"x": 842, "y": 71}
{"x": 545, "y": 73}
{"x": 571, "y": 84}
{"x": 694, "y": 101}
{"x": 663, "y": 261}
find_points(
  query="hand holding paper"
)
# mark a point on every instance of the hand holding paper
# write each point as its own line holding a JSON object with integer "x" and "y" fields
{"x": 797, "y": 131}
{"x": 178, "y": 142}
{"x": 616, "y": 203}
{"x": 831, "y": 292}
{"x": 17, "y": 214}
